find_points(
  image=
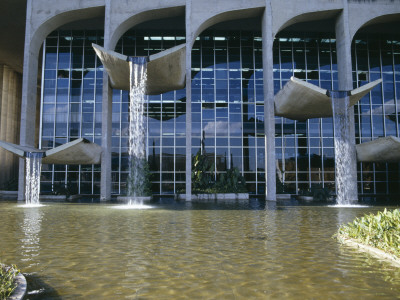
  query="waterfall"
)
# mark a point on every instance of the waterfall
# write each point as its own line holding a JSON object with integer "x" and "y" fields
{"x": 33, "y": 166}
{"x": 137, "y": 129}
{"x": 341, "y": 125}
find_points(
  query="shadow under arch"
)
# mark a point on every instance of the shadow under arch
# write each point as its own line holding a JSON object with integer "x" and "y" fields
{"x": 227, "y": 16}
{"x": 308, "y": 17}
{"x": 132, "y": 21}
{"x": 379, "y": 20}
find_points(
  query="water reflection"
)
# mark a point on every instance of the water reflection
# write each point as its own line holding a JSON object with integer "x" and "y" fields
{"x": 30, "y": 243}
{"x": 192, "y": 251}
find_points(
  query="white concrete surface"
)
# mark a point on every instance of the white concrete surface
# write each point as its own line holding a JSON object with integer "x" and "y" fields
{"x": 384, "y": 149}
{"x": 165, "y": 70}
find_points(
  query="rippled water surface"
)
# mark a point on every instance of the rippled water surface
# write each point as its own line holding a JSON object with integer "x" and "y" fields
{"x": 189, "y": 251}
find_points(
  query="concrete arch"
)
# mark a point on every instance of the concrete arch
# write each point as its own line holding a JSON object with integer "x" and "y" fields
{"x": 43, "y": 30}
{"x": 141, "y": 17}
{"x": 306, "y": 17}
{"x": 363, "y": 15}
{"x": 202, "y": 16}
{"x": 226, "y": 16}
{"x": 285, "y": 14}
{"x": 377, "y": 20}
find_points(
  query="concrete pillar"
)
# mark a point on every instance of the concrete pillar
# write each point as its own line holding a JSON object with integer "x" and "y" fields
{"x": 10, "y": 116}
{"x": 28, "y": 103}
{"x": 344, "y": 65}
{"x": 3, "y": 112}
{"x": 269, "y": 111}
{"x": 106, "y": 126}
{"x": 188, "y": 101}
{"x": 16, "y": 121}
{"x": 10, "y": 91}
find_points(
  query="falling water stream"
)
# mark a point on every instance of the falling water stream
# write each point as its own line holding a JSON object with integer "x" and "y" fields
{"x": 137, "y": 158}
{"x": 33, "y": 166}
{"x": 344, "y": 182}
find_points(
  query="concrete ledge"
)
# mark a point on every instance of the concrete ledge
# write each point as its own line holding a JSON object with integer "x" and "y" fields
{"x": 22, "y": 286}
{"x": 77, "y": 152}
{"x": 214, "y": 197}
{"x": 300, "y": 100}
{"x": 8, "y": 195}
{"x": 165, "y": 70}
{"x": 53, "y": 198}
{"x": 385, "y": 149}
{"x": 283, "y": 196}
{"x": 377, "y": 253}
{"x": 18, "y": 150}
{"x": 20, "y": 292}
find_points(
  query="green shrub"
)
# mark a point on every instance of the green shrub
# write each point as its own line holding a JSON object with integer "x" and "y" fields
{"x": 381, "y": 231}
{"x": 7, "y": 280}
{"x": 203, "y": 177}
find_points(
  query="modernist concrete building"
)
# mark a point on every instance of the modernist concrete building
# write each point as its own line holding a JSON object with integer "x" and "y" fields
{"x": 239, "y": 55}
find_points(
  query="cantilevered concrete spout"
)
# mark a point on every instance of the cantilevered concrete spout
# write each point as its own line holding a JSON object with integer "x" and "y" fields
{"x": 384, "y": 149}
{"x": 300, "y": 100}
{"x": 19, "y": 150}
{"x": 165, "y": 70}
{"x": 77, "y": 152}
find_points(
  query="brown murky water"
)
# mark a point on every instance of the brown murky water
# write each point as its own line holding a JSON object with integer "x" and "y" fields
{"x": 189, "y": 251}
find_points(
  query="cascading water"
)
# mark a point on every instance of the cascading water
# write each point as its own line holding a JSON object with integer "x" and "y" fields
{"x": 137, "y": 129}
{"x": 33, "y": 166}
{"x": 341, "y": 124}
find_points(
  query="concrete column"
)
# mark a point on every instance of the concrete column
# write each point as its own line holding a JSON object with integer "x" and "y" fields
{"x": 106, "y": 126}
{"x": 269, "y": 111}
{"x": 188, "y": 101}
{"x": 344, "y": 65}
{"x": 16, "y": 120}
{"x": 3, "y": 112}
{"x": 28, "y": 103}
{"x": 10, "y": 118}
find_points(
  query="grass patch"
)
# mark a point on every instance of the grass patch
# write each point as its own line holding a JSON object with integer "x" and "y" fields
{"x": 7, "y": 280}
{"x": 381, "y": 231}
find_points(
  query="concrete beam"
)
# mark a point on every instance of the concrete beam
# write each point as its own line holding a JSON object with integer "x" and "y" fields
{"x": 77, "y": 152}
{"x": 165, "y": 70}
{"x": 385, "y": 149}
{"x": 18, "y": 150}
{"x": 300, "y": 100}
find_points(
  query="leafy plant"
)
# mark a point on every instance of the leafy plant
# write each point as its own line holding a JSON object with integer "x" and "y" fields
{"x": 202, "y": 173}
{"x": 203, "y": 177}
{"x": 231, "y": 182}
{"x": 7, "y": 280}
{"x": 381, "y": 231}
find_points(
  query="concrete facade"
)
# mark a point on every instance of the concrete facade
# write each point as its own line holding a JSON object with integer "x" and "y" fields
{"x": 44, "y": 16}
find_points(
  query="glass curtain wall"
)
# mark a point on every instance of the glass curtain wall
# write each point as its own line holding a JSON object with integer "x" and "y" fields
{"x": 377, "y": 56}
{"x": 304, "y": 149}
{"x": 72, "y": 81}
{"x": 228, "y": 104}
{"x": 227, "y": 109}
{"x": 165, "y": 118}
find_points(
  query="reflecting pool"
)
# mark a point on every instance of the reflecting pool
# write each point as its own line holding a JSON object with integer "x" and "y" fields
{"x": 190, "y": 251}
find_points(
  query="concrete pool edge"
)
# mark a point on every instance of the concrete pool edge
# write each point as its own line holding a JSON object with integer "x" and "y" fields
{"x": 20, "y": 291}
{"x": 377, "y": 253}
